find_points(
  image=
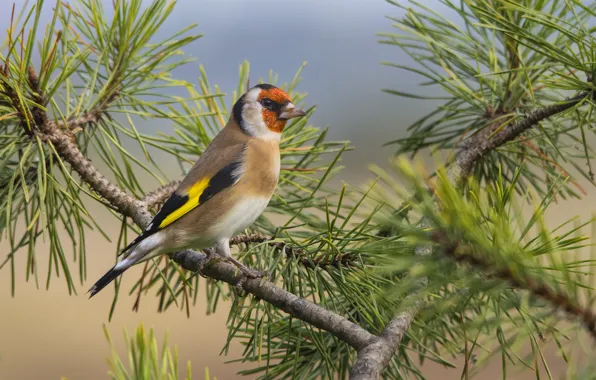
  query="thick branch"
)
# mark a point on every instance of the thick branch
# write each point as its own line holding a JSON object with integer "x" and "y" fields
{"x": 373, "y": 359}
{"x": 297, "y": 307}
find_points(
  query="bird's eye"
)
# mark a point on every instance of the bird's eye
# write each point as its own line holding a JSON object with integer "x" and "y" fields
{"x": 267, "y": 103}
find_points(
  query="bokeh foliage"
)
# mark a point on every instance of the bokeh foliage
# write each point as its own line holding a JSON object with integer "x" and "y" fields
{"x": 485, "y": 283}
{"x": 145, "y": 358}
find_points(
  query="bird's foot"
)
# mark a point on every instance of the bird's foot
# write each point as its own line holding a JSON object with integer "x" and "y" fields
{"x": 210, "y": 255}
{"x": 248, "y": 272}
{"x": 254, "y": 273}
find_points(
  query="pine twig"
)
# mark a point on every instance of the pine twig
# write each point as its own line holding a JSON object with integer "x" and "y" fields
{"x": 462, "y": 253}
{"x": 499, "y": 135}
{"x": 158, "y": 196}
{"x": 373, "y": 359}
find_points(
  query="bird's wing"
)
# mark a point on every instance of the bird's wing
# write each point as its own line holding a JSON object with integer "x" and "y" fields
{"x": 219, "y": 167}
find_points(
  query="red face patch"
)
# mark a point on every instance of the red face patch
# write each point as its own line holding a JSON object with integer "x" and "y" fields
{"x": 280, "y": 97}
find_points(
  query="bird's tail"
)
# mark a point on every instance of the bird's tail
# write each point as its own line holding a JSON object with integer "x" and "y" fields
{"x": 110, "y": 276}
{"x": 141, "y": 252}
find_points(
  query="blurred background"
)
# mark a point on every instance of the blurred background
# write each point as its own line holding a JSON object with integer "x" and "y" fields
{"x": 46, "y": 334}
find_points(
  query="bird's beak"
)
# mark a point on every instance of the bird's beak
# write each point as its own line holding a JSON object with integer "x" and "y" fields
{"x": 290, "y": 111}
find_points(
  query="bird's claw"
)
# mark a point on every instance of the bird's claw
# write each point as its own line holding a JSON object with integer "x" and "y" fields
{"x": 210, "y": 255}
{"x": 248, "y": 273}
{"x": 254, "y": 273}
{"x": 239, "y": 285}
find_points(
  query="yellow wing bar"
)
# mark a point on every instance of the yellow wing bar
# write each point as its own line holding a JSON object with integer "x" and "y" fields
{"x": 194, "y": 193}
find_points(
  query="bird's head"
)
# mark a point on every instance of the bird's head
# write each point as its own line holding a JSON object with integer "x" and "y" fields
{"x": 264, "y": 110}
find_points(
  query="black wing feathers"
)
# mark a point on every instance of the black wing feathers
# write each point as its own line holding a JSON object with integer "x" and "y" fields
{"x": 223, "y": 179}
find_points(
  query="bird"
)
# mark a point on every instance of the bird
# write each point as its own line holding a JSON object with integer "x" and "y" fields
{"x": 225, "y": 191}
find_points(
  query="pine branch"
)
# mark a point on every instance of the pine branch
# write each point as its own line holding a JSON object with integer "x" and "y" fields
{"x": 479, "y": 145}
{"x": 158, "y": 196}
{"x": 66, "y": 147}
{"x": 463, "y": 253}
{"x": 297, "y": 307}
{"x": 374, "y": 358}
{"x": 51, "y": 132}
{"x": 61, "y": 133}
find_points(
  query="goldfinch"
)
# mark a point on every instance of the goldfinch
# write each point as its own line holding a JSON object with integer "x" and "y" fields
{"x": 227, "y": 188}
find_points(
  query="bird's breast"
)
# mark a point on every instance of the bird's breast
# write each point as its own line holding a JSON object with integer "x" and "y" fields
{"x": 239, "y": 216}
{"x": 247, "y": 199}
{"x": 262, "y": 164}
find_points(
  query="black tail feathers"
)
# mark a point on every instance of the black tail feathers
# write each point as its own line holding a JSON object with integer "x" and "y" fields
{"x": 105, "y": 280}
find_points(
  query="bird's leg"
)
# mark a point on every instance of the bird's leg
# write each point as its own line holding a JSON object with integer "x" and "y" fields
{"x": 209, "y": 252}
{"x": 209, "y": 256}
{"x": 223, "y": 249}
